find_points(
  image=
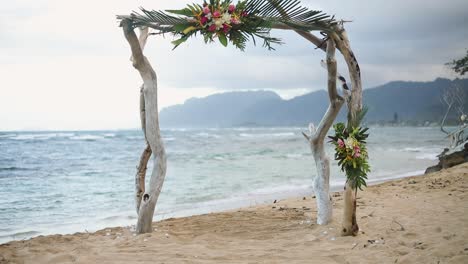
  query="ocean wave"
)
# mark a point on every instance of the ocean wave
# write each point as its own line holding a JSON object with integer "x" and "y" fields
{"x": 206, "y": 135}
{"x": 20, "y": 235}
{"x": 414, "y": 149}
{"x": 87, "y": 137}
{"x": 294, "y": 156}
{"x": 262, "y": 152}
{"x": 109, "y": 135}
{"x": 114, "y": 218}
{"x": 291, "y": 156}
{"x": 218, "y": 158}
{"x": 13, "y": 169}
{"x": 428, "y": 156}
{"x": 39, "y": 136}
{"x": 284, "y": 134}
{"x": 176, "y": 129}
{"x": 134, "y": 137}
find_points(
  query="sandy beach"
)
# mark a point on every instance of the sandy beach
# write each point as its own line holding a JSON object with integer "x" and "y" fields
{"x": 422, "y": 219}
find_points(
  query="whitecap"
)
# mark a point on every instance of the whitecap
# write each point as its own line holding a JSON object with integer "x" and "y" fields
{"x": 40, "y": 136}
{"x": 206, "y": 135}
{"x": 284, "y": 134}
{"x": 86, "y": 137}
{"x": 134, "y": 137}
{"x": 294, "y": 156}
{"x": 428, "y": 156}
{"x": 413, "y": 149}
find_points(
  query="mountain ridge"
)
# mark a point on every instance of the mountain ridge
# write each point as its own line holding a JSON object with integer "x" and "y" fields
{"x": 408, "y": 101}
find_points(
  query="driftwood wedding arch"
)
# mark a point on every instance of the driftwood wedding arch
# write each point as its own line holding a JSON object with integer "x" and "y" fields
{"x": 270, "y": 14}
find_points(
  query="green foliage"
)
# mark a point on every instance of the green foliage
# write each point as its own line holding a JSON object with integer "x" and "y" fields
{"x": 250, "y": 19}
{"x": 222, "y": 39}
{"x": 351, "y": 151}
{"x": 460, "y": 66}
{"x": 355, "y": 121}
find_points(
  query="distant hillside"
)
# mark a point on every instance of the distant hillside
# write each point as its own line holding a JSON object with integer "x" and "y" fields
{"x": 217, "y": 110}
{"x": 412, "y": 102}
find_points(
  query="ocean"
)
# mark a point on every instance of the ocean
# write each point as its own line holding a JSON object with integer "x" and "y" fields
{"x": 78, "y": 181}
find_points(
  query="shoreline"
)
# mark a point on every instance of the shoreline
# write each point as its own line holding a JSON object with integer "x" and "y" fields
{"x": 245, "y": 200}
{"x": 417, "y": 219}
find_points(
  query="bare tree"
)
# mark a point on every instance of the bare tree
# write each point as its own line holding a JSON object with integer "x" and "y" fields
{"x": 453, "y": 97}
{"x": 146, "y": 200}
{"x": 459, "y": 66}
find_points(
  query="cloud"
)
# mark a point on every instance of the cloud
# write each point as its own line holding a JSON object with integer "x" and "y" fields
{"x": 65, "y": 64}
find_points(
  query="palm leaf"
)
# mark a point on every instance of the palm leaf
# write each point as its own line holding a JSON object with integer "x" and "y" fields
{"x": 263, "y": 15}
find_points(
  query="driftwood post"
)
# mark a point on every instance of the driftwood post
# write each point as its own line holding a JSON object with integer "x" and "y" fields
{"x": 354, "y": 102}
{"x": 317, "y": 136}
{"x": 146, "y": 200}
{"x": 349, "y": 225}
{"x": 145, "y": 156}
{"x": 316, "y": 140}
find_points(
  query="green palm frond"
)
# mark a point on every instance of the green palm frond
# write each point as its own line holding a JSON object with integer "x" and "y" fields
{"x": 291, "y": 13}
{"x": 263, "y": 15}
{"x": 154, "y": 19}
{"x": 358, "y": 118}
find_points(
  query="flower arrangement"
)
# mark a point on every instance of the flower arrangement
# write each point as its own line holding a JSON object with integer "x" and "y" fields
{"x": 219, "y": 19}
{"x": 223, "y": 20}
{"x": 351, "y": 153}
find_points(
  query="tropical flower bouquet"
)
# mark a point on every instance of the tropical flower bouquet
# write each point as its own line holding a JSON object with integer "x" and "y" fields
{"x": 222, "y": 20}
{"x": 216, "y": 19}
{"x": 351, "y": 153}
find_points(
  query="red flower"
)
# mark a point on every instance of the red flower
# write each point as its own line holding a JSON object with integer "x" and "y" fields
{"x": 212, "y": 28}
{"x": 231, "y": 8}
{"x": 226, "y": 28}
{"x": 203, "y": 20}
{"x": 244, "y": 14}
{"x": 216, "y": 14}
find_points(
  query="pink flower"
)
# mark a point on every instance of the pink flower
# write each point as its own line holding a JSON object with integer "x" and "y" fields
{"x": 206, "y": 10}
{"x": 203, "y": 20}
{"x": 235, "y": 21}
{"x": 226, "y": 28}
{"x": 357, "y": 151}
{"x": 216, "y": 14}
{"x": 244, "y": 14}
{"x": 212, "y": 28}
{"x": 341, "y": 143}
{"x": 231, "y": 8}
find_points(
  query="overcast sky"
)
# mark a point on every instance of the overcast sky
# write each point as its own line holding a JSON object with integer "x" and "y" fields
{"x": 65, "y": 64}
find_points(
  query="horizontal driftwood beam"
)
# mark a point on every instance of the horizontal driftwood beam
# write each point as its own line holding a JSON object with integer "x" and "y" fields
{"x": 307, "y": 35}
